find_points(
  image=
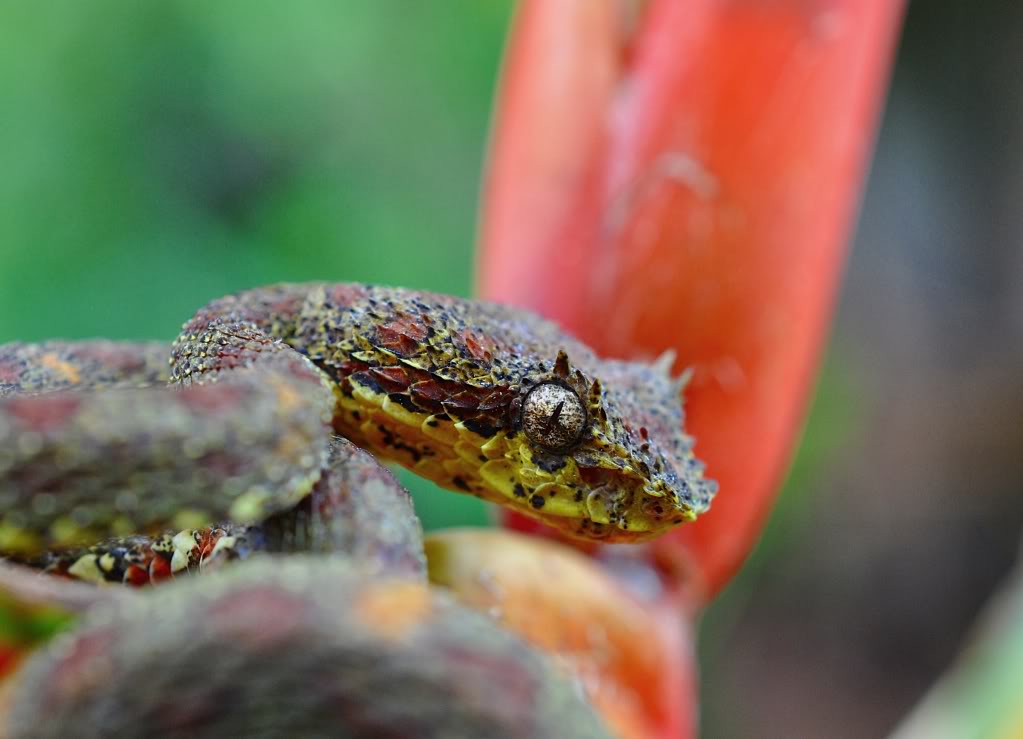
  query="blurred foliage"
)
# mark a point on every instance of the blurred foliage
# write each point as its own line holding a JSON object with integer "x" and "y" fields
{"x": 159, "y": 155}
{"x": 980, "y": 695}
{"x": 833, "y": 420}
{"x": 25, "y": 625}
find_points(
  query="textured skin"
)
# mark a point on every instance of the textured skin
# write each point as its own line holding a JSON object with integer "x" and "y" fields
{"x": 300, "y": 646}
{"x": 357, "y": 508}
{"x": 432, "y": 382}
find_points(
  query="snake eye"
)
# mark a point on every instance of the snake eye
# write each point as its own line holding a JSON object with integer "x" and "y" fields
{"x": 553, "y": 417}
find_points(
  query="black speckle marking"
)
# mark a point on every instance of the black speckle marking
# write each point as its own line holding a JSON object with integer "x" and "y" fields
{"x": 483, "y": 458}
{"x": 460, "y": 483}
{"x": 481, "y": 427}
{"x": 578, "y": 496}
{"x": 520, "y": 492}
{"x": 405, "y": 402}
{"x": 366, "y": 380}
{"x": 390, "y": 440}
{"x": 433, "y": 423}
{"x": 549, "y": 463}
{"x": 537, "y": 501}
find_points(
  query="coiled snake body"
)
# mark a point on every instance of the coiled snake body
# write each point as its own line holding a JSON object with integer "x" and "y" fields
{"x": 480, "y": 398}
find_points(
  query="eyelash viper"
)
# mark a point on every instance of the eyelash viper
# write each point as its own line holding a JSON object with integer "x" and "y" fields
{"x": 481, "y": 398}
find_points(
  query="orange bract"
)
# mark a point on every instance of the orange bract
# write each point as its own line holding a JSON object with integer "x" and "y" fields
{"x": 629, "y": 657}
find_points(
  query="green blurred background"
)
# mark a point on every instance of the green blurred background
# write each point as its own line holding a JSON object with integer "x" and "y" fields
{"x": 158, "y": 155}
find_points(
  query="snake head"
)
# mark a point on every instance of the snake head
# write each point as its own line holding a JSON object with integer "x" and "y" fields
{"x": 605, "y": 457}
{"x": 501, "y": 404}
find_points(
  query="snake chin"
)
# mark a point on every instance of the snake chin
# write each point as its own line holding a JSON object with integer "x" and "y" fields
{"x": 617, "y": 506}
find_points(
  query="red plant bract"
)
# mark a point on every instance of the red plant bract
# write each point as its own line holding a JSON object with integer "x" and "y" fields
{"x": 683, "y": 174}
{"x": 686, "y": 179}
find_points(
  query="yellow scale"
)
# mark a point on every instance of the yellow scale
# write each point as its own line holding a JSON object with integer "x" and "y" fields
{"x": 450, "y": 450}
